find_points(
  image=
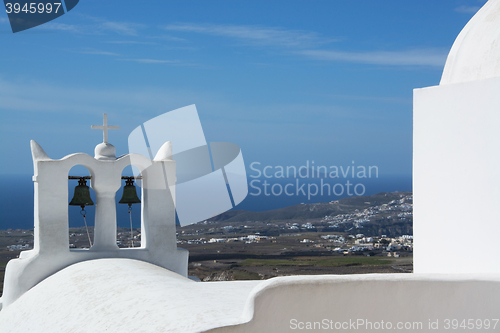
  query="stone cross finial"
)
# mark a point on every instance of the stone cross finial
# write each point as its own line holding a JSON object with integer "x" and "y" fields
{"x": 104, "y": 127}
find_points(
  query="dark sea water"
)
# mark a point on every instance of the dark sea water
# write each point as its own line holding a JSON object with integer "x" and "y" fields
{"x": 16, "y": 197}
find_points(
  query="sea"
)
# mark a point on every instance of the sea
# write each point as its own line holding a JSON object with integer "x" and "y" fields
{"x": 17, "y": 195}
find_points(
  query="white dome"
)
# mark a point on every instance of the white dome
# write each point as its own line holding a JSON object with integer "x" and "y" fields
{"x": 475, "y": 55}
{"x": 105, "y": 151}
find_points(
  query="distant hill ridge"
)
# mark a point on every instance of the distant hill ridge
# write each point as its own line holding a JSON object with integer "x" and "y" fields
{"x": 313, "y": 210}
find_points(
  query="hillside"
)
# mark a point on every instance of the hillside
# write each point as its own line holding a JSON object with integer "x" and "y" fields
{"x": 311, "y": 211}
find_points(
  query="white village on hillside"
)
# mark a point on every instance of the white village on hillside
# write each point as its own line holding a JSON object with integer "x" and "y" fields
{"x": 53, "y": 288}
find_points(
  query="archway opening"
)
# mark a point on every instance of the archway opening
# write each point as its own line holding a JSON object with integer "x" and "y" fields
{"x": 81, "y": 210}
{"x": 128, "y": 209}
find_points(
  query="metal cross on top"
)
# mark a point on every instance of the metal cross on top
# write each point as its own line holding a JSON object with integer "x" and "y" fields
{"x": 104, "y": 127}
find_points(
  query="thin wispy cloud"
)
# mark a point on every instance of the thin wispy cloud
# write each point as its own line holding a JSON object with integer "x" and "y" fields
{"x": 169, "y": 38}
{"x": 129, "y": 42}
{"x": 97, "y": 52}
{"x": 120, "y": 57}
{"x": 90, "y": 25}
{"x": 42, "y": 96}
{"x": 467, "y": 9}
{"x": 381, "y": 99}
{"x": 60, "y": 27}
{"x": 100, "y": 27}
{"x": 123, "y": 28}
{"x": 152, "y": 61}
{"x": 416, "y": 57}
{"x": 307, "y": 44}
{"x": 269, "y": 36}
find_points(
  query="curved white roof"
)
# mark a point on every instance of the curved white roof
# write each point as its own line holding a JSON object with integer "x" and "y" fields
{"x": 475, "y": 55}
{"x": 124, "y": 295}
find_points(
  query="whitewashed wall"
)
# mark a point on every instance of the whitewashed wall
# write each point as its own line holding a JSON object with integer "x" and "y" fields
{"x": 456, "y": 178}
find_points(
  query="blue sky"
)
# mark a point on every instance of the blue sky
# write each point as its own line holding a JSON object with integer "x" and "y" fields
{"x": 288, "y": 81}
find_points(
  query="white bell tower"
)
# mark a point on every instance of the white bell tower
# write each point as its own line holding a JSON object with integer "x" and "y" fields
{"x": 51, "y": 251}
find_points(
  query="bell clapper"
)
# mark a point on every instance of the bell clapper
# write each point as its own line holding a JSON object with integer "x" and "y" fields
{"x": 83, "y": 213}
{"x": 131, "y": 230}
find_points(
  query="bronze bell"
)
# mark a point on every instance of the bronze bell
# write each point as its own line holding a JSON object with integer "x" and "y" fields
{"x": 129, "y": 193}
{"x": 82, "y": 195}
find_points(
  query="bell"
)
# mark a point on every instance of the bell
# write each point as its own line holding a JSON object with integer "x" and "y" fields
{"x": 129, "y": 193}
{"x": 82, "y": 195}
